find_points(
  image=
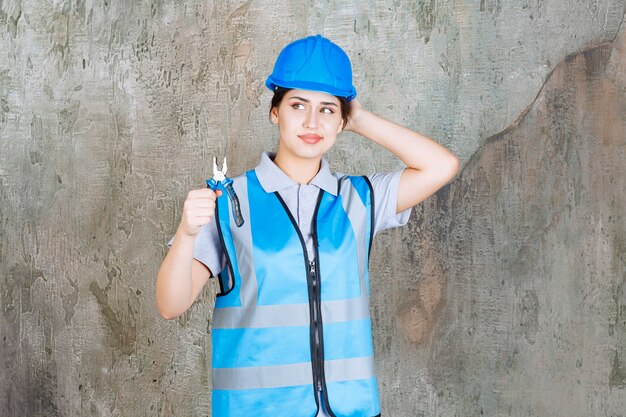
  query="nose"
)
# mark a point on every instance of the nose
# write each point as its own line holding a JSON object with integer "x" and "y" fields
{"x": 311, "y": 119}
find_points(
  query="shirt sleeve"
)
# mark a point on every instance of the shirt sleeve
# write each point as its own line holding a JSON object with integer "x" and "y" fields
{"x": 208, "y": 248}
{"x": 385, "y": 186}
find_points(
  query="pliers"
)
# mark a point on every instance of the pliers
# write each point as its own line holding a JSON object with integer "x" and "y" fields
{"x": 220, "y": 178}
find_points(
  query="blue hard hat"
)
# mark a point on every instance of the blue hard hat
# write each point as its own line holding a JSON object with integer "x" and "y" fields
{"x": 313, "y": 63}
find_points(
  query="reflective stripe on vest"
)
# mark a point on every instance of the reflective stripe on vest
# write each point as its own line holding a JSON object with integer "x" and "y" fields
{"x": 262, "y": 331}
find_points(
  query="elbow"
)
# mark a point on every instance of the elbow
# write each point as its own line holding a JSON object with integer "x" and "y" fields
{"x": 168, "y": 315}
{"x": 455, "y": 166}
{"x": 165, "y": 312}
{"x": 450, "y": 167}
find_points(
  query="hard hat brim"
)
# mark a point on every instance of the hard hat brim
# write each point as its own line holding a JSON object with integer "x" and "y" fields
{"x": 272, "y": 84}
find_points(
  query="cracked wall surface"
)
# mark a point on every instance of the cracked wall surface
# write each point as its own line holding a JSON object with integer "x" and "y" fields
{"x": 504, "y": 296}
{"x": 528, "y": 244}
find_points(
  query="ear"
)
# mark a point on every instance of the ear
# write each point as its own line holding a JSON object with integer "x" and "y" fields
{"x": 274, "y": 115}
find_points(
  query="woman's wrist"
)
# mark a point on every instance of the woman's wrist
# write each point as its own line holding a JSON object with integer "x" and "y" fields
{"x": 358, "y": 121}
{"x": 184, "y": 237}
{"x": 368, "y": 125}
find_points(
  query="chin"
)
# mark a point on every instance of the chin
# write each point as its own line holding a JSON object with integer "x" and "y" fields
{"x": 310, "y": 155}
{"x": 307, "y": 151}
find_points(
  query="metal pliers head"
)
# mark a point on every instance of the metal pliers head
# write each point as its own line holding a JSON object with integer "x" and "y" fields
{"x": 219, "y": 175}
{"x": 220, "y": 178}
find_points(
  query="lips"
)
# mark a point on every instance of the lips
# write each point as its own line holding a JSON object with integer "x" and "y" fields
{"x": 310, "y": 138}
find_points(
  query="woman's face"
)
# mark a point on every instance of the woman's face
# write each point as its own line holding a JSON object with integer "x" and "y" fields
{"x": 308, "y": 121}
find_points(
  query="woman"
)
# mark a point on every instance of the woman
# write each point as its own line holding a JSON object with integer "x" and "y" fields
{"x": 291, "y": 333}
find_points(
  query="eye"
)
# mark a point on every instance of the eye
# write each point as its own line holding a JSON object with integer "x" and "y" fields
{"x": 297, "y": 106}
{"x": 327, "y": 110}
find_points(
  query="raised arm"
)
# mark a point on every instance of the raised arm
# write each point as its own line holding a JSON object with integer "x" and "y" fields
{"x": 430, "y": 166}
{"x": 181, "y": 277}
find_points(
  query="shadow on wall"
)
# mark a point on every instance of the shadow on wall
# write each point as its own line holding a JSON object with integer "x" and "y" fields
{"x": 534, "y": 255}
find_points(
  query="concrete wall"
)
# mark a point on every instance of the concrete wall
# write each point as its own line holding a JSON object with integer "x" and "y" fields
{"x": 505, "y": 294}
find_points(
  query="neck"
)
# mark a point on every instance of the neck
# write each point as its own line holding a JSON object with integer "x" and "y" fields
{"x": 301, "y": 170}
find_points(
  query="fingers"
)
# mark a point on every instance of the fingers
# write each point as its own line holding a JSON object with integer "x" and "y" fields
{"x": 198, "y": 209}
{"x": 201, "y": 193}
{"x": 204, "y": 193}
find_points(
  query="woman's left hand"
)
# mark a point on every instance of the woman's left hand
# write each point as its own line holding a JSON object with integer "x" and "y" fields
{"x": 430, "y": 166}
{"x": 355, "y": 112}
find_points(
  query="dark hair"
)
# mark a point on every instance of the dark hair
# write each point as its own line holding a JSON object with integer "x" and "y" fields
{"x": 344, "y": 104}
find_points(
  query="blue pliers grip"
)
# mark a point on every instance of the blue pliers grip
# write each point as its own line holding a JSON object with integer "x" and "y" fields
{"x": 220, "y": 178}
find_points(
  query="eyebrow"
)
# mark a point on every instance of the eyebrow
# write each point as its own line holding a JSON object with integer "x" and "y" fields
{"x": 325, "y": 103}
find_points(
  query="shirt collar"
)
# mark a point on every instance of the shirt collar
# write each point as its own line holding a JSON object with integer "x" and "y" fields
{"x": 272, "y": 178}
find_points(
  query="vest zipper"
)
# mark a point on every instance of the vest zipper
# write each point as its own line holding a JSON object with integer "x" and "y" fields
{"x": 317, "y": 305}
{"x": 315, "y": 311}
{"x": 316, "y": 325}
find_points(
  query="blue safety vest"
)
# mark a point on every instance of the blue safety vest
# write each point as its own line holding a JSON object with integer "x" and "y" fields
{"x": 286, "y": 326}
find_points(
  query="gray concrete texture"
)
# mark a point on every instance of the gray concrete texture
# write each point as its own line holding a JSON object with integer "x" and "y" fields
{"x": 505, "y": 294}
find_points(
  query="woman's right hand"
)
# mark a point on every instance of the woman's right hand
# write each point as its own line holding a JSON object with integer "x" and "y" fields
{"x": 198, "y": 210}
